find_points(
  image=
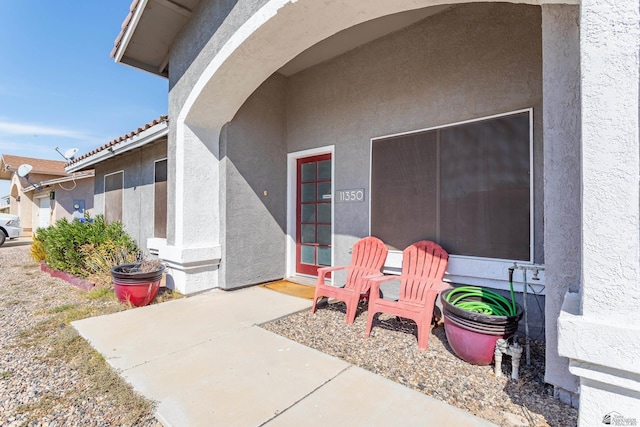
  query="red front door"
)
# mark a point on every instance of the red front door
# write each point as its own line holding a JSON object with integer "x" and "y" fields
{"x": 313, "y": 214}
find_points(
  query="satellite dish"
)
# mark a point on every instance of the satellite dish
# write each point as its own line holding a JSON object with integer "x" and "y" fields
{"x": 23, "y": 170}
{"x": 70, "y": 154}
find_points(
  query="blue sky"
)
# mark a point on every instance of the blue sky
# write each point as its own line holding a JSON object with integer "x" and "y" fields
{"x": 58, "y": 85}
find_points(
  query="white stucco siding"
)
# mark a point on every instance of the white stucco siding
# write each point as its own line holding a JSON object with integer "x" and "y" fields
{"x": 610, "y": 166}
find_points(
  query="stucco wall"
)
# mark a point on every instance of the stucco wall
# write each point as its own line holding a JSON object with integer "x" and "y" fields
{"x": 561, "y": 38}
{"x": 253, "y": 173}
{"x": 138, "y": 200}
{"x": 63, "y": 203}
{"x": 21, "y": 207}
{"x": 212, "y": 24}
{"x": 471, "y": 61}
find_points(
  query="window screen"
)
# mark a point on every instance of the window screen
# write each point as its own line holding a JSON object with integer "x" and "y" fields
{"x": 160, "y": 199}
{"x": 113, "y": 197}
{"x": 466, "y": 187}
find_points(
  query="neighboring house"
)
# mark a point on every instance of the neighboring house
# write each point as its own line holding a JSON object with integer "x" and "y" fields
{"x": 131, "y": 182}
{"x": 48, "y": 194}
{"x": 507, "y": 132}
{"x": 4, "y": 204}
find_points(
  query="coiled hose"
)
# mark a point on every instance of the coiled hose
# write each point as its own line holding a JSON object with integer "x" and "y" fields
{"x": 492, "y": 303}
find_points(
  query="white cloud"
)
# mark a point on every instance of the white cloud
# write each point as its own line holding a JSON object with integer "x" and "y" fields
{"x": 13, "y": 147}
{"x": 12, "y": 128}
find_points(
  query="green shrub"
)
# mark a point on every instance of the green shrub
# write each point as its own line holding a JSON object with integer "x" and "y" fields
{"x": 68, "y": 244}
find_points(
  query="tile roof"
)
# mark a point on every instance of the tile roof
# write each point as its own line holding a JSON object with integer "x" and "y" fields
{"x": 124, "y": 26}
{"x": 131, "y": 134}
{"x": 42, "y": 166}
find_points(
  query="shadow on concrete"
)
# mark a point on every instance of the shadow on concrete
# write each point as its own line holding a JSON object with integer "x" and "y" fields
{"x": 21, "y": 241}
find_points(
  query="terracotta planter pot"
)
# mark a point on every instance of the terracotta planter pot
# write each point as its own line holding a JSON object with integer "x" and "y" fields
{"x": 473, "y": 336}
{"x": 136, "y": 287}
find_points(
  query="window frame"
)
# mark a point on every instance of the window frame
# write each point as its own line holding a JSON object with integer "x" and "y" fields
{"x": 467, "y": 269}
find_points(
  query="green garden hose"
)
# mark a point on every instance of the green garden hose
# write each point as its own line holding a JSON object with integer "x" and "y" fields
{"x": 492, "y": 303}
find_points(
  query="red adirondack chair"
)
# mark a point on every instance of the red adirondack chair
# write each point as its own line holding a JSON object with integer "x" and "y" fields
{"x": 367, "y": 259}
{"x": 423, "y": 267}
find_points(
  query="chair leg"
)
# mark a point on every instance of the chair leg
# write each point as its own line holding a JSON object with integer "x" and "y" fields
{"x": 315, "y": 301}
{"x": 423, "y": 335}
{"x": 424, "y": 324}
{"x": 352, "y": 307}
{"x": 370, "y": 314}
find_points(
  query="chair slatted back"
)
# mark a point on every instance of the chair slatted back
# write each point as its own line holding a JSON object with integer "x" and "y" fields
{"x": 369, "y": 255}
{"x": 423, "y": 263}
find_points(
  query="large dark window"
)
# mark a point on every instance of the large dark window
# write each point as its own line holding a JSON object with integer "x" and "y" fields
{"x": 113, "y": 184}
{"x": 160, "y": 199}
{"x": 465, "y": 186}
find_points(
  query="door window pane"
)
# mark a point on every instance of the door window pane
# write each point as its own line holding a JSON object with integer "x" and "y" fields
{"x": 324, "y": 213}
{"x": 324, "y": 256}
{"x": 309, "y": 213}
{"x": 308, "y": 192}
{"x": 308, "y": 233}
{"x": 324, "y": 191}
{"x": 308, "y": 172}
{"x": 308, "y": 254}
{"x": 324, "y": 234}
{"x": 324, "y": 170}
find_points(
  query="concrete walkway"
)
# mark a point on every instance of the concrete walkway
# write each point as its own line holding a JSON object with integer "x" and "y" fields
{"x": 206, "y": 363}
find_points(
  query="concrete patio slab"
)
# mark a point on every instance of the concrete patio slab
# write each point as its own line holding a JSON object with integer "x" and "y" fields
{"x": 357, "y": 397}
{"x": 130, "y": 338}
{"x": 205, "y": 362}
{"x": 241, "y": 379}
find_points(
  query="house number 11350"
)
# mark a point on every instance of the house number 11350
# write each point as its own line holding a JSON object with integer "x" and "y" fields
{"x": 356, "y": 195}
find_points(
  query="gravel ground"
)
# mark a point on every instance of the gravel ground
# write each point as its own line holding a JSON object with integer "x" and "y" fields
{"x": 41, "y": 384}
{"x": 392, "y": 351}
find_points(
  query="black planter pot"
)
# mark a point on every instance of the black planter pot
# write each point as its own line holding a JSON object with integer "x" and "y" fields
{"x": 130, "y": 273}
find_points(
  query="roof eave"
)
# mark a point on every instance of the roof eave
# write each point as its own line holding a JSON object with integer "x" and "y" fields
{"x": 118, "y": 52}
{"x": 139, "y": 65}
{"x": 78, "y": 176}
{"x": 147, "y": 136}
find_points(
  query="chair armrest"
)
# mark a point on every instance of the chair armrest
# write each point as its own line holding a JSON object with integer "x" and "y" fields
{"x": 440, "y": 286}
{"x": 322, "y": 272}
{"x": 382, "y": 278}
{"x": 374, "y": 283}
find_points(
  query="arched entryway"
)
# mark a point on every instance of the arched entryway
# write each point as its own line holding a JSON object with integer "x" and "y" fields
{"x": 269, "y": 39}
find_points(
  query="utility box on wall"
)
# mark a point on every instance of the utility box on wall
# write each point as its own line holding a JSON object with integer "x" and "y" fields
{"x": 78, "y": 209}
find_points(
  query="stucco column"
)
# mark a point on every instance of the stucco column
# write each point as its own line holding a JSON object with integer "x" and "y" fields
{"x": 193, "y": 245}
{"x": 561, "y": 111}
{"x": 599, "y": 328}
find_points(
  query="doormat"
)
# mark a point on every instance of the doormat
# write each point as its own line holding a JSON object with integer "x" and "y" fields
{"x": 290, "y": 288}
